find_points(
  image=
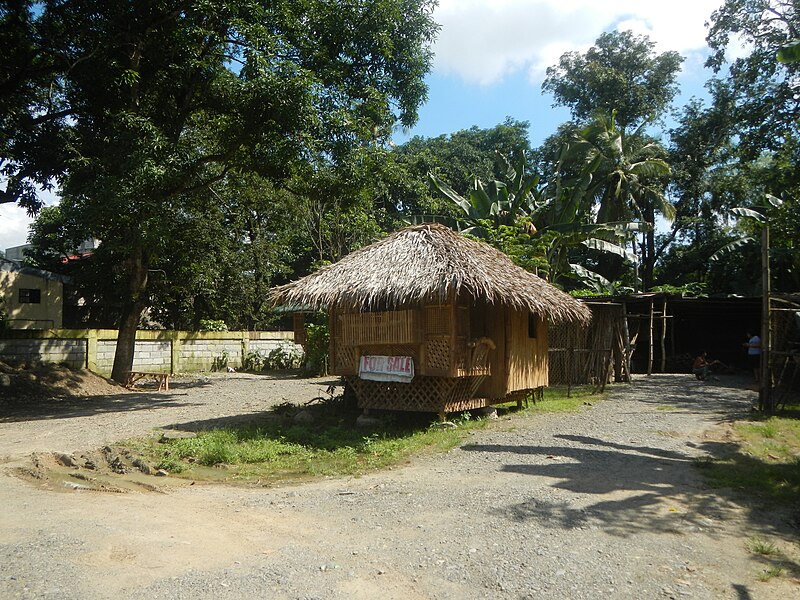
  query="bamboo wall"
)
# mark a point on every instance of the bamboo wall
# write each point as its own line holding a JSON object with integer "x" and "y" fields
{"x": 440, "y": 339}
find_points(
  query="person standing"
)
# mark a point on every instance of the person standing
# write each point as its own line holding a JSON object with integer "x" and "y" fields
{"x": 753, "y": 346}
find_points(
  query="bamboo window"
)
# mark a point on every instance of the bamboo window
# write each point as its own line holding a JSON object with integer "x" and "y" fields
{"x": 384, "y": 328}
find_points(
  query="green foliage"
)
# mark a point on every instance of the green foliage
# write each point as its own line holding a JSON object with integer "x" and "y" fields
{"x": 162, "y": 103}
{"x": 317, "y": 349}
{"x": 212, "y": 325}
{"x": 456, "y": 158}
{"x": 285, "y": 356}
{"x": 254, "y": 361}
{"x": 621, "y": 73}
{"x": 3, "y": 314}
{"x": 688, "y": 290}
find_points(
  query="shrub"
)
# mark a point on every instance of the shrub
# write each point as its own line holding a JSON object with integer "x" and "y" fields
{"x": 317, "y": 346}
{"x": 212, "y": 325}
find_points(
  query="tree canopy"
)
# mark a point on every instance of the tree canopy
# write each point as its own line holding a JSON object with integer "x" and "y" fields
{"x": 143, "y": 108}
{"x": 621, "y": 73}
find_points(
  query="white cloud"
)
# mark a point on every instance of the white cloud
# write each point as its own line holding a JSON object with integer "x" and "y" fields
{"x": 14, "y": 223}
{"x": 483, "y": 41}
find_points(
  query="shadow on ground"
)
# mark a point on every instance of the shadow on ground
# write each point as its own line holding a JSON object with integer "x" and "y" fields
{"x": 20, "y": 410}
{"x": 629, "y": 488}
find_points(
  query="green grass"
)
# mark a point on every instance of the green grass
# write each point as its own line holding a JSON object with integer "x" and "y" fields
{"x": 280, "y": 450}
{"x": 762, "y": 547}
{"x": 763, "y": 461}
{"x": 557, "y": 400}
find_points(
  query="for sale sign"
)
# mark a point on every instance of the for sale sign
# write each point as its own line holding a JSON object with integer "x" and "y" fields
{"x": 386, "y": 368}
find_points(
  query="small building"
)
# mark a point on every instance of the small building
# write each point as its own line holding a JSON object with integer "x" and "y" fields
{"x": 31, "y": 298}
{"x": 429, "y": 320}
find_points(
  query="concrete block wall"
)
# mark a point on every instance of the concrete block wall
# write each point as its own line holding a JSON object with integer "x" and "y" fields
{"x": 149, "y": 355}
{"x": 60, "y": 351}
{"x": 205, "y": 354}
{"x": 157, "y": 351}
{"x": 267, "y": 346}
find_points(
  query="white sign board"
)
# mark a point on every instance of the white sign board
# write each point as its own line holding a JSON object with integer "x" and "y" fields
{"x": 386, "y": 368}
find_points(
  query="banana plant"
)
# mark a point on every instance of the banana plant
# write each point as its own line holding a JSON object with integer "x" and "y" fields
{"x": 499, "y": 202}
{"x": 759, "y": 214}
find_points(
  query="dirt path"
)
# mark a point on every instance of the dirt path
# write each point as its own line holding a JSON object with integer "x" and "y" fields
{"x": 605, "y": 503}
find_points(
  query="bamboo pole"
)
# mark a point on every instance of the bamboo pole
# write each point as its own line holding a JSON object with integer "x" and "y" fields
{"x": 627, "y": 340}
{"x": 664, "y": 337}
{"x": 650, "y": 340}
{"x": 765, "y": 384}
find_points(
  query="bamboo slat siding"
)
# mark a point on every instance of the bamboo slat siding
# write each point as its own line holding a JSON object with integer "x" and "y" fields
{"x": 392, "y": 327}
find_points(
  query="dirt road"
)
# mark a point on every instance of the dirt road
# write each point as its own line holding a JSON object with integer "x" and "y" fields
{"x": 604, "y": 503}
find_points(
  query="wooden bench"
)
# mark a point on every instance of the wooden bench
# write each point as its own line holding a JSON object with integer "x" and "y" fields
{"x": 162, "y": 379}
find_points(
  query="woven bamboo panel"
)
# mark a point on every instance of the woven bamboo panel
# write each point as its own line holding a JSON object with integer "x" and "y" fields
{"x": 437, "y": 353}
{"x": 424, "y": 394}
{"x": 438, "y": 320}
{"x": 345, "y": 359}
{"x": 393, "y": 327}
{"x": 462, "y": 321}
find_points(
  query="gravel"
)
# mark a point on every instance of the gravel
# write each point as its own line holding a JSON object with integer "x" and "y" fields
{"x": 603, "y": 503}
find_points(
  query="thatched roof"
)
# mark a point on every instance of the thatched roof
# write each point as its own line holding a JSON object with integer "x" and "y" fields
{"x": 428, "y": 264}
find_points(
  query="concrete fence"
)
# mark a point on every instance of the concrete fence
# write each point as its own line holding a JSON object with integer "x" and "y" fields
{"x": 161, "y": 351}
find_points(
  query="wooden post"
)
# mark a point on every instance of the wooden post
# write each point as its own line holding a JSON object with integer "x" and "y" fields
{"x": 650, "y": 340}
{"x": 626, "y": 332}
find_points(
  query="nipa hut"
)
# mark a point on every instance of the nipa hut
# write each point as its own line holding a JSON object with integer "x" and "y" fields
{"x": 429, "y": 320}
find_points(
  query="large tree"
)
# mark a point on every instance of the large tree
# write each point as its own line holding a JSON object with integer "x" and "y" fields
{"x": 457, "y": 158}
{"x": 622, "y": 73}
{"x": 155, "y": 101}
{"x": 764, "y": 90}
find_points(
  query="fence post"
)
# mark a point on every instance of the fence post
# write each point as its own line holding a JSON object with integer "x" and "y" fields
{"x": 175, "y": 343}
{"x": 245, "y": 346}
{"x": 91, "y": 350}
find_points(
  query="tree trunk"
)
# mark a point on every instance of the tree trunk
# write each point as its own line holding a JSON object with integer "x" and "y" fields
{"x": 132, "y": 310}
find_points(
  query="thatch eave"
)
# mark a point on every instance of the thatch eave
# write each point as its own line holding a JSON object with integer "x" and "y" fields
{"x": 424, "y": 264}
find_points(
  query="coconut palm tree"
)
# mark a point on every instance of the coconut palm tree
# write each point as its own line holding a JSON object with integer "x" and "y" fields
{"x": 629, "y": 180}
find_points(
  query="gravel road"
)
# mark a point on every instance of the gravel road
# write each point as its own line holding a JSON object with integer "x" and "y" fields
{"x": 603, "y": 503}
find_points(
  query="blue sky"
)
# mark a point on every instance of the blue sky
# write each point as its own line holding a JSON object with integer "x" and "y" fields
{"x": 491, "y": 57}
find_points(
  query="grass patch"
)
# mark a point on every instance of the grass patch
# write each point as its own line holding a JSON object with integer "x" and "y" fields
{"x": 667, "y": 407}
{"x": 557, "y": 400}
{"x": 764, "y": 460}
{"x": 278, "y": 449}
{"x": 770, "y": 573}
{"x": 762, "y": 547}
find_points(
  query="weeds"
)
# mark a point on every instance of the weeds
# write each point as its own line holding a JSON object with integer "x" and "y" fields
{"x": 770, "y": 573}
{"x": 762, "y": 547}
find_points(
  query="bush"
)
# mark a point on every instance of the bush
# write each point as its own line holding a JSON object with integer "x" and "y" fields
{"x": 212, "y": 325}
{"x": 285, "y": 356}
{"x": 317, "y": 346}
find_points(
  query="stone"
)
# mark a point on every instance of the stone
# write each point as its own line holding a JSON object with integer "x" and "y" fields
{"x": 65, "y": 460}
{"x": 142, "y": 466}
{"x": 5, "y": 380}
